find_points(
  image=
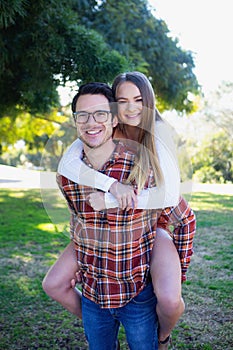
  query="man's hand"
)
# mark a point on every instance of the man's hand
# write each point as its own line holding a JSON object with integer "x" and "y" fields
{"x": 125, "y": 195}
{"x": 96, "y": 200}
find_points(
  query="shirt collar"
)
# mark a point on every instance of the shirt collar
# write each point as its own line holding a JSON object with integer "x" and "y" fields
{"x": 119, "y": 148}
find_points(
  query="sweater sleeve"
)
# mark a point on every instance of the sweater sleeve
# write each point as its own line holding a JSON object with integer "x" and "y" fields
{"x": 164, "y": 196}
{"x": 183, "y": 220}
{"x": 72, "y": 167}
{"x": 168, "y": 194}
{"x": 70, "y": 205}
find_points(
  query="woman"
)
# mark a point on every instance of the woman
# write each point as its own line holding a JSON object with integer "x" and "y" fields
{"x": 141, "y": 124}
{"x": 157, "y": 148}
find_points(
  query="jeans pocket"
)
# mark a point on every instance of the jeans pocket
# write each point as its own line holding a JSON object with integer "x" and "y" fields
{"x": 146, "y": 296}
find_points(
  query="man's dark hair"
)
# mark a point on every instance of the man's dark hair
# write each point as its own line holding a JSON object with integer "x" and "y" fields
{"x": 95, "y": 88}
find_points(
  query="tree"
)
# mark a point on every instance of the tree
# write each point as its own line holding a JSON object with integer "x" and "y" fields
{"x": 46, "y": 43}
{"x": 42, "y": 46}
{"x": 9, "y": 10}
{"x": 131, "y": 29}
{"x": 213, "y": 160}
{"x": 218, "y": 108}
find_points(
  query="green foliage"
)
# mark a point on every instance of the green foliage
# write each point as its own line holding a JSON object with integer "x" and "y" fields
{"x": 45, "y": 47}
{"x": 208, "y": 138}
{"x": 10, "y": 9}
{"x": 46, "y": 43}
{"x": 130, "y": 28}
{"x": 31, "y": 132}
{"x": 214, "y": 161}
{"x": 218, "y": 108}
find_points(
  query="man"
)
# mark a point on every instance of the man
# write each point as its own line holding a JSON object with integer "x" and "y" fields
{"x": 114, "y": 259}
{"x": 113, "y": 247}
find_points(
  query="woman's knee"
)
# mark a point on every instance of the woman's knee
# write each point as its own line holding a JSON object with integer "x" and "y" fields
{"x": 50, "y": 285}
{"x": 171, "y": 303}
{"x": 58, "y": 279}
{"x": 54, "y": 284}
{"x": 46, "y": 285}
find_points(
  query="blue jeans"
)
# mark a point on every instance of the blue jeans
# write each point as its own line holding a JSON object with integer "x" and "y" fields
{"x": 138, "y": 318}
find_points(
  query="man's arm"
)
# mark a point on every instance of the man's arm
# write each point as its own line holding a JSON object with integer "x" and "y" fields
{"x": 183, "y": 220}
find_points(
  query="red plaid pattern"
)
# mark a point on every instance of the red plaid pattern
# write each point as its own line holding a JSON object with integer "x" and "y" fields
{"x": 183, "y": 221}
{"x": 113, "y": 246}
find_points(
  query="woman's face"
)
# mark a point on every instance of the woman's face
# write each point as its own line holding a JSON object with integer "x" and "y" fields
{"x": 129, "y": 101}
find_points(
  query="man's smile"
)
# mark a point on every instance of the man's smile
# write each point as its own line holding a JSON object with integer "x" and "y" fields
{"x": 94, "y": 132}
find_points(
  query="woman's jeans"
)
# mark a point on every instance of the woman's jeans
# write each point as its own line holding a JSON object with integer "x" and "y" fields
{"x": 138, "y": 318}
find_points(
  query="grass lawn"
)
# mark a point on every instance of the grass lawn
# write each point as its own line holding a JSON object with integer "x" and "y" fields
{"x": 30, "y": 243}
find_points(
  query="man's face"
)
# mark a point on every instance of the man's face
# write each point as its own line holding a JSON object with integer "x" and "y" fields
{"x": 92, "y": 133}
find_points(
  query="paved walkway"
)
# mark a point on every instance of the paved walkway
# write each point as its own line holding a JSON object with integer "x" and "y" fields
{"x": 12, "y": 177}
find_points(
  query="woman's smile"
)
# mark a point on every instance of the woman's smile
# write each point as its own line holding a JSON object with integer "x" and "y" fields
{"x": 129, "y": 104}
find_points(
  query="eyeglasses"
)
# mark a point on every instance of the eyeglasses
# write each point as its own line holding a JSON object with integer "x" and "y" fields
{"x": 83, "y": 117}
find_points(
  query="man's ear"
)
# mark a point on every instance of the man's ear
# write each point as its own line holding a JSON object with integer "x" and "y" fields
{"x": 114, "y": 121}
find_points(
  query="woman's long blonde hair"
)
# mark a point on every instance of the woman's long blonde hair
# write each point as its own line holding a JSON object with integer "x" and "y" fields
{"x": 147, "y": 154}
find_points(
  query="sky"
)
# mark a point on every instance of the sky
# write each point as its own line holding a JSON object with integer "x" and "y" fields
{"x": 204, "y": 27}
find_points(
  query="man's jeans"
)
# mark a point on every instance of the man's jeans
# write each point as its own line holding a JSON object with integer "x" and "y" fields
{"x": 138, "y": 318}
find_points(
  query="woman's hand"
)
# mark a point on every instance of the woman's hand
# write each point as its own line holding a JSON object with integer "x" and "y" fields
{"x": 76, "y": 280}
{"x": 96, "y": 200}
{"x": 125, "y": 195}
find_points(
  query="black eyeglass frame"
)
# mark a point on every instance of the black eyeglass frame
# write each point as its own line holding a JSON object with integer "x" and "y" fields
{"x": 93, "y": 114}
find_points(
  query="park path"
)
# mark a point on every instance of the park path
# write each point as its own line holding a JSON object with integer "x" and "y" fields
{"x": 12, "y": 177}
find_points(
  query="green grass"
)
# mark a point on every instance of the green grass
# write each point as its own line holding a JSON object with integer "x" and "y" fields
{"x": 30, "y": 243}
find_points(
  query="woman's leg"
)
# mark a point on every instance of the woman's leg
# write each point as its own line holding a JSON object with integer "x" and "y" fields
{"x": 166, "y": 278}
{"x": 57, "y": 282}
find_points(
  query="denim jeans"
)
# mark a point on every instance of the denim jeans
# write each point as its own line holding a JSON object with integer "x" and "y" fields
{"x": 138, "y": 318}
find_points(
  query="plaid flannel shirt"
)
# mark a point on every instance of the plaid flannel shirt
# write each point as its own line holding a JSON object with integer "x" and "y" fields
{"x": 113, "y": 246}
{"x": 183, "y": 222}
